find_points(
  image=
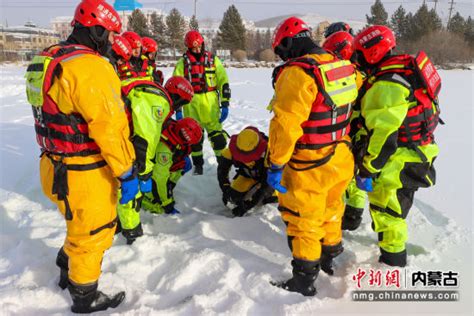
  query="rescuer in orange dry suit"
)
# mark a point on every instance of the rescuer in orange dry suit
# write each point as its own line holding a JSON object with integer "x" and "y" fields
{"x": 310, "y": 158}
{"x": 83, "y": 133}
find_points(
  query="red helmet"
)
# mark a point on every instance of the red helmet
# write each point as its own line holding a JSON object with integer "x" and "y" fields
{"x": 288, "y": 28}
{"x": 340, "y": 43}
{"x": 193, "y": 39}
{"x": 188, "y": 130}
{"x": 149, "y": 45}
{"x": 181, "y": 87}
{"x": 133, "y": 38}
{"x": 97, "y": 12}
{"x": 122, "y": 47}
{"x": 375, "y": 42}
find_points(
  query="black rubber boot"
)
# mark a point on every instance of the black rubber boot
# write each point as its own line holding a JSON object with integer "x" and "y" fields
{"x": 198, "y": 162}
{"x": 62, "y": 262}
{"x": 398, "y": 259}
{"x": 132, "y": 234}
{"x": 304, "y": 275}
{"x": 352, "y": 218}
{"x": 327, "y": 255}
{"x": 86, "y": 299}
{"x": 198, "y": 170}
{"x": 118, "y": 228}
{"x": 270, "y": 200}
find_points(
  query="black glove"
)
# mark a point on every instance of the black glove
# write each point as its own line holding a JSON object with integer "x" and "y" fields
{"x": 239, "y": 211}
{"x": 364, "y": 173}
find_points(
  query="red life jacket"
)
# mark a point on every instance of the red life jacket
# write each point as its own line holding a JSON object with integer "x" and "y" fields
{"x": 128, "y": 70}
{"x": 418, "y": 75}
{"x": 56, "y": 132}
{"x": 195, "y": 71}
{"x": 172, "y": 141}
{"x": 327, "y": 123}
{"x": 149, "y": 87}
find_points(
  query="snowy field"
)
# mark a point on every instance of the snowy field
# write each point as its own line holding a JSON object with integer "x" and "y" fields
{"x": 203, "y": 262}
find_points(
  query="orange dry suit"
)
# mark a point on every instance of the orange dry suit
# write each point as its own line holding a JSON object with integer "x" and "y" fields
{"x": 309, "y": 136}
{"x": 83, "y": 133}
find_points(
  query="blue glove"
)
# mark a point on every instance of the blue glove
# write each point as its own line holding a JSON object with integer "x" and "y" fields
{"x": 173, "y": 212}
{"x": 179, "y": 115}
{"x": 129, "y": 187}
{"x": 364, "y": 184}
{"x": 188, "y": 165}
{"x": 145, "y": 185}
{"x": 274, "y": 175}
{"x": 224, "y": 111}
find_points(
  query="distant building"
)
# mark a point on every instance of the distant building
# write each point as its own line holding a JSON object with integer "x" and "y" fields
{"x": 62, "y": 24}
{"x": 25, "y": 41}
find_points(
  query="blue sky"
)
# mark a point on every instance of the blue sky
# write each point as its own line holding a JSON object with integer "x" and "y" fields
{"x": 16, "y": 12}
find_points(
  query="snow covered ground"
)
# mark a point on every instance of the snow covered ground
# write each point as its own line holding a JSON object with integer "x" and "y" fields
{"x": 205, "y": 263}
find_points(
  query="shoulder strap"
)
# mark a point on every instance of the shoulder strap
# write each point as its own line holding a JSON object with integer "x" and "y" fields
{"x": 148, "y": 86}
{"x": 61, "y": 53}
{"x": 304, "y": 62}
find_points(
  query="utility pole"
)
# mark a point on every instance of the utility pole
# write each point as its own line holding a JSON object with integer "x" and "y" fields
{"x": 451, "y": 7}
{"x": 195, "y": 1}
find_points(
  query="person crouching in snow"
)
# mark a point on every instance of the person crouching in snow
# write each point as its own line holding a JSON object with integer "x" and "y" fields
{"x": 246, "y": 152}
{"x": 148, "y": 106}
{"x": 172, "y": 162}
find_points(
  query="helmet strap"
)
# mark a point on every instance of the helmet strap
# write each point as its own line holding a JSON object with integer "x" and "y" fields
{"x": 178, "y": 102}
{"x": 100, "y": 37}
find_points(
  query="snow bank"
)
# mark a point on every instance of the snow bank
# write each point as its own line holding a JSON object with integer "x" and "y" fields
{"x": 205, "y": 263}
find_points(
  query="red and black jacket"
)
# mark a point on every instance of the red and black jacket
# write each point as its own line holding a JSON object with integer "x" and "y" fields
{"x": 195, "y": 70}
{"x": 56, "y": 132}
{"x": 180, "y": 151}
{"x": 422, "y": 119}
{"x": 327, "y": 124}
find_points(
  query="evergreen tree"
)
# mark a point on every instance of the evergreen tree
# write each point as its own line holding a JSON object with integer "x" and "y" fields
{"x": 469, "y": 32}
{"x": 138, "y": 23}
{"x": 158, "y": 29}
{"x": 251, "y": 44}
{"x": 424, "y": 21}
{"x": 176, "y": 27}
{"x": 231, "y": 34}
{"x": 193, "y": 24}
{"x": 378, "y": 14}
{"x": 457, "y": 24}
{"x": 267, "y": 43}
{"x": 399, "y": 23}
{"x": 258, "y": 41}
{"x": 435, "y": 20}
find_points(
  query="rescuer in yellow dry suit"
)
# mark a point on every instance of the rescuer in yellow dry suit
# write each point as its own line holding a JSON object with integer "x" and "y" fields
{"x": 310, "y": 158}
{"x": 83, "y": 133}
